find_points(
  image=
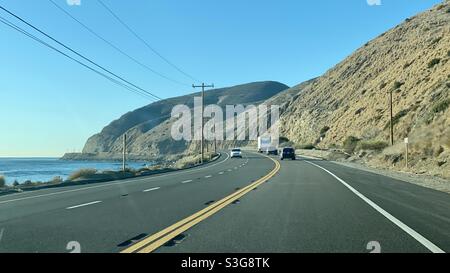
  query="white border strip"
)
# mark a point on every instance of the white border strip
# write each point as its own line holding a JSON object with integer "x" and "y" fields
{"x": 83, "y": 205}
{"x": 422, "y": 240}
{"x": 152, "y": 189}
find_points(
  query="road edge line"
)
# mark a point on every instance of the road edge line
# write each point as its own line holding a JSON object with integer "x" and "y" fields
{"x": 419, "y": 238}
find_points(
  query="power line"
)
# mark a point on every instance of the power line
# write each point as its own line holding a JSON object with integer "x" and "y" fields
{"x": 78, "y": 54}
{"x": 145, "y": 42}
{"x": 114, "y": 46}
{"x": 19, "y": 29}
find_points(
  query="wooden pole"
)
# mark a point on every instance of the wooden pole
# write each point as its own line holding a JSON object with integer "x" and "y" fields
{"x": 124, "y": 153}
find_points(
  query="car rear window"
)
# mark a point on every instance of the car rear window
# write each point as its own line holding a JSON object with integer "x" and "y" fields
{"x": 236, "y": 150}
{"x": 288, "y": 150}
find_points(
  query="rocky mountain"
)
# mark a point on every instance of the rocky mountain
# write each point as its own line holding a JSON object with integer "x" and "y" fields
{"x": 350, "y": 103}
{"x": 345, "y": 109}
{"x": 148, "y": 128}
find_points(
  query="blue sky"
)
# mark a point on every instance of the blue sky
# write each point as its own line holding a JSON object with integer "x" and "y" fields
{"x": 50, "y": 105}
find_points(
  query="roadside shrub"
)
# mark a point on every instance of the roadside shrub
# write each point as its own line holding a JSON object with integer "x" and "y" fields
{"x": 16, "y": 183}
{"x": 372, "y": 145}
{"x": 324, "y": 130}
{"x": 283, "y": 139}
{"x": 2, "y": 181}
{"x": 441, "y": 106}
{"x": 308, "y": 146}
{"x": 28, "y": 183}
{"x": 398, "y": 84}
{"x": 350, "y": 143}
{"x": 434, "y": 62}
{"x": 56, "y": 180}
{"x": 82, "y": 173}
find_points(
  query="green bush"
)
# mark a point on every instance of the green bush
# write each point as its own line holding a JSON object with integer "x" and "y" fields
{"x": 82, "y": 173}
{"x": 397, "y": 84}
{"x": 324, "y": 130}
{"x": 2, "y": 181}
{"x": 372, "y": 145}
{"x": 350, "y": 143}
{"x": 436, "y": 109}
{"x": 306, "y": 146}
{"x": 434, "y": 62}
{"x": 283, "y": 139}
{"x": 16, "y": 183}
{"x": 441, "y": 106}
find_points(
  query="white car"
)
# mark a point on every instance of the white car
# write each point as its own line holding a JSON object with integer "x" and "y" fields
{"x": 236, "y": 152}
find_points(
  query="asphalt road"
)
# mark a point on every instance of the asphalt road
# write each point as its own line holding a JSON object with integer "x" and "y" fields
{"x": 100, "y": 217}
{"x": 305, "y": 206}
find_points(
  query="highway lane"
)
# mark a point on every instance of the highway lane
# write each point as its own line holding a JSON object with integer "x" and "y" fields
{"x": 103, "y": 217}
{"x": 42, "y": 200}
{"x": 305, "y": 208}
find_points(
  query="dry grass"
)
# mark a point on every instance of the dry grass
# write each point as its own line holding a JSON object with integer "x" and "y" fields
{"x": 56, "y": 180}
{"x": 187, "y": 161}
{"x": 2, "y": 181}
{"x": 420, "y": 104}
{"x": 191, "y": 160}
{"x": 374, "y": 145}
{"x": 82, "y": 173}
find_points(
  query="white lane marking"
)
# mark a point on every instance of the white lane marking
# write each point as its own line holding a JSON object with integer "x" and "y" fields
{"x": 424, "y": 241}
{"x": 152, "y": 189}
{"x": 186, "y": 181}
{"x": 108, "y": 184}
{"x": 208, "y": 176}
{"x": 221, "y": 173}
{"x": 229, "y": 170}
{"x": 83, "y": 205}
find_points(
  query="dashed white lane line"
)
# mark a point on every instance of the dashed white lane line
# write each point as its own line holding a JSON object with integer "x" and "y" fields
{"x": 422, "y": 240}
{"x": 229, "y": 170}
{"x": 83, "y": 205}
{"x": 114, "y": 183}
{"x": 186, "y": 181}
{"x": 221, "y": 173}
{"x": 152, "y": 189}
{"x": 208, "y": 176}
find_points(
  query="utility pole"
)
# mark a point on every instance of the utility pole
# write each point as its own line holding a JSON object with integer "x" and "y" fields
{"x": 124, "y": 154}
{"x": 391, "y": 123}
{"x": 406, "y": 154}
{"x": 203, "y": 108}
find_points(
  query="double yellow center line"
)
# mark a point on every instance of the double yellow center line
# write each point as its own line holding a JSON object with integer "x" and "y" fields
{"x": 158, "y": 239}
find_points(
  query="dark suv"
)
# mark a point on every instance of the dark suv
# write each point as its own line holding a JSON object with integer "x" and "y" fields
{"x": 287, "y": 153}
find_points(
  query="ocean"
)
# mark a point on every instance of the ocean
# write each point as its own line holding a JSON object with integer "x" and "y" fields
{"x": 45, "y": 169}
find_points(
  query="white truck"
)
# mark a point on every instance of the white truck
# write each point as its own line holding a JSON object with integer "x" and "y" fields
{"x": 264, "y": 142}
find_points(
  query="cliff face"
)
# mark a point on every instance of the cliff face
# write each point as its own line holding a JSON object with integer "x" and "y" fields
{"x": 148, "y": 128}
{"x": 351, "y": 99}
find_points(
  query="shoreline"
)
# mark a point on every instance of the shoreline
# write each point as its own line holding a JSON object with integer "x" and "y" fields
{"x": 101, "y": 177}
